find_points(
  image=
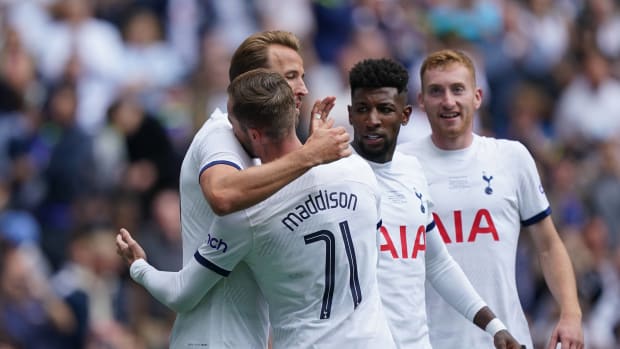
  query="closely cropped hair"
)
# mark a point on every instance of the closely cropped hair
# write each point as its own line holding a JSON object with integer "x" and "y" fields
{"x": 253, "y": 51}
{"x": 443, "y": 58}
{"x": 264, "y": 100}
{"x": 377, "y": 73}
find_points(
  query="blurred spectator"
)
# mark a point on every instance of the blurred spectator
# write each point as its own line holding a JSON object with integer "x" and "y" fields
{"x": 529, "y": 121}
{"x": 565, "y": 194}
{"x": 31, "y": 20}
{"x": 88, "y": 49}
{"x": 588, "y": 108}
{"x": 298, "y": 19}
{"x": 208, "y": 82}
{"x": 21, "y": 96}
{"x": 184, "y": 26}
{"x": 604, "y": 192}
{"x": 162, "y": 234}
{"x": 600, "y": 287}
{"x": 546, "y": 34}
{"x": 90, "y": 281}
{"x": 153, "y": 162}
{"x": 600, "y": 20}
{"x": 30, "y": 312}
{"x": 68, "y": 174}
{"x": 149, "y": 64}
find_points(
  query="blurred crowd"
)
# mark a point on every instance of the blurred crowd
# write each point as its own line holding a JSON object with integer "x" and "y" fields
{"x": 99, "y": 100}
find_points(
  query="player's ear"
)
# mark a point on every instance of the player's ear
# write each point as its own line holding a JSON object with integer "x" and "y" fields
{"x": 407, "y": 110}
{"x": 255, "y": 134}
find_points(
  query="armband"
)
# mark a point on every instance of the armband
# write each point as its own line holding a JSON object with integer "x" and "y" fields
{"x": 495, "y": 326}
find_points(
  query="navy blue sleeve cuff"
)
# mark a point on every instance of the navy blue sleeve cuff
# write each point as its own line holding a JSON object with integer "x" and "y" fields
{"x": 537, "y": 218}
{"x": 205, "y": 263}
{"x": 219, "y": 162}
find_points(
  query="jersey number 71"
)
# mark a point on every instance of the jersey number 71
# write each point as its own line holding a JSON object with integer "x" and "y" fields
{"x": 330, "y": 256}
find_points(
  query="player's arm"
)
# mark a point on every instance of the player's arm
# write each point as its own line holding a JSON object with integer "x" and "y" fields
{"x": 228, "y": 190}
{"x": 449, "y": 280}
{"x": 180, "y": 291}
{"x": 560, "y": 278}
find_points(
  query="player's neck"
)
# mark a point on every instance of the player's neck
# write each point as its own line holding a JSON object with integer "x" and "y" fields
{"x": 278, "y": 149}
{"x": 453, "y": 143}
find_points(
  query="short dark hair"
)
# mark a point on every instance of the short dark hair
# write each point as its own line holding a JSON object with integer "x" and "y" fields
{"x": 377, "y": 73}
{"x": 264, "y": 100}
{"x": 253, "y": 53}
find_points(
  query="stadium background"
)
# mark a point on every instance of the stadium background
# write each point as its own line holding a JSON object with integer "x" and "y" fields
{"x": 99, "y": 100}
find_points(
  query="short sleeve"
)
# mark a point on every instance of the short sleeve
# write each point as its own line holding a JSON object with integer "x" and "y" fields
{"x": 533, "y": 202}
{"x": 217, "y": 144}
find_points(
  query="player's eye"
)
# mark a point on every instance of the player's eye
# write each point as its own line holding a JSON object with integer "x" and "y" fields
{"x": 458, "y": 89}
{"x": 434, "y": 91}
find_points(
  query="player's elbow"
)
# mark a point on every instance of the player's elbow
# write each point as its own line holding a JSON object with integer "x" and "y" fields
{"x": 180, "y": 305}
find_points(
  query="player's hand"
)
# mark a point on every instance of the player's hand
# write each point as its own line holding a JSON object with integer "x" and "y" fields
{"x": 319, "y": 116}
{"x": 504, "y": 340}
{"x": 567, "y": 332}
{"x": 128, "y": 248}
{"x": 326, "y": 143}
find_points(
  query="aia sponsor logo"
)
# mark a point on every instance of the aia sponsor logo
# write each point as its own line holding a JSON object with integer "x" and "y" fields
{"x": 401, "y": 246}
{"x": 482, "y": 227}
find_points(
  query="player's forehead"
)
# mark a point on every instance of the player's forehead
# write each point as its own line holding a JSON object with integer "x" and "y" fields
{"x": 380, "y": 95}
{"x": 447, "y": 75}
{"x": 283, "y": 59}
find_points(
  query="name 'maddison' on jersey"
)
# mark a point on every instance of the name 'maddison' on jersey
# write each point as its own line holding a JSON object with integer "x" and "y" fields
{"x": 312, "y": 248}
{"x": 316, "y": 203}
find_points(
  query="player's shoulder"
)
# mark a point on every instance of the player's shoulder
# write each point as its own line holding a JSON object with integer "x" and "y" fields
{"x": 414, "y": 146}
{"x": 216, "y": 122}
{"x": 407, "y": 160}
{"x": 505, "y": 147}
{"x": 352, "y": 170}
{"x": 352, "y": 166}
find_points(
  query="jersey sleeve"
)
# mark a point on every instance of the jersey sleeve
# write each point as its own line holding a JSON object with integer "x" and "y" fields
{"x": 228, "y": 242}
{"x": 533, "y": 203}
{"x": 180, "y": 291}
{"x": 447, "y": 277}
{"x": 219, "y": 146}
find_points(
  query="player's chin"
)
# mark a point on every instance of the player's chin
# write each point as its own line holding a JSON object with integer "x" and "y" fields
{"x": 374, "y": 149}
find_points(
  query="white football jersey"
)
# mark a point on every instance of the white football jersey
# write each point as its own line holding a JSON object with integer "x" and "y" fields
{"x": 482, "y": 195}
{"x": 233, "y": 313}
{"x": 405, "y": 216}
{"x": 312, "y": 247}
{"x": 411, "y": 252}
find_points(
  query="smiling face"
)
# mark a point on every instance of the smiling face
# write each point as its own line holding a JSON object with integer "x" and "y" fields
{"x": 450, "y": 99}
{"x": 376, "y": 115}
{"x": 288, "y": 63}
